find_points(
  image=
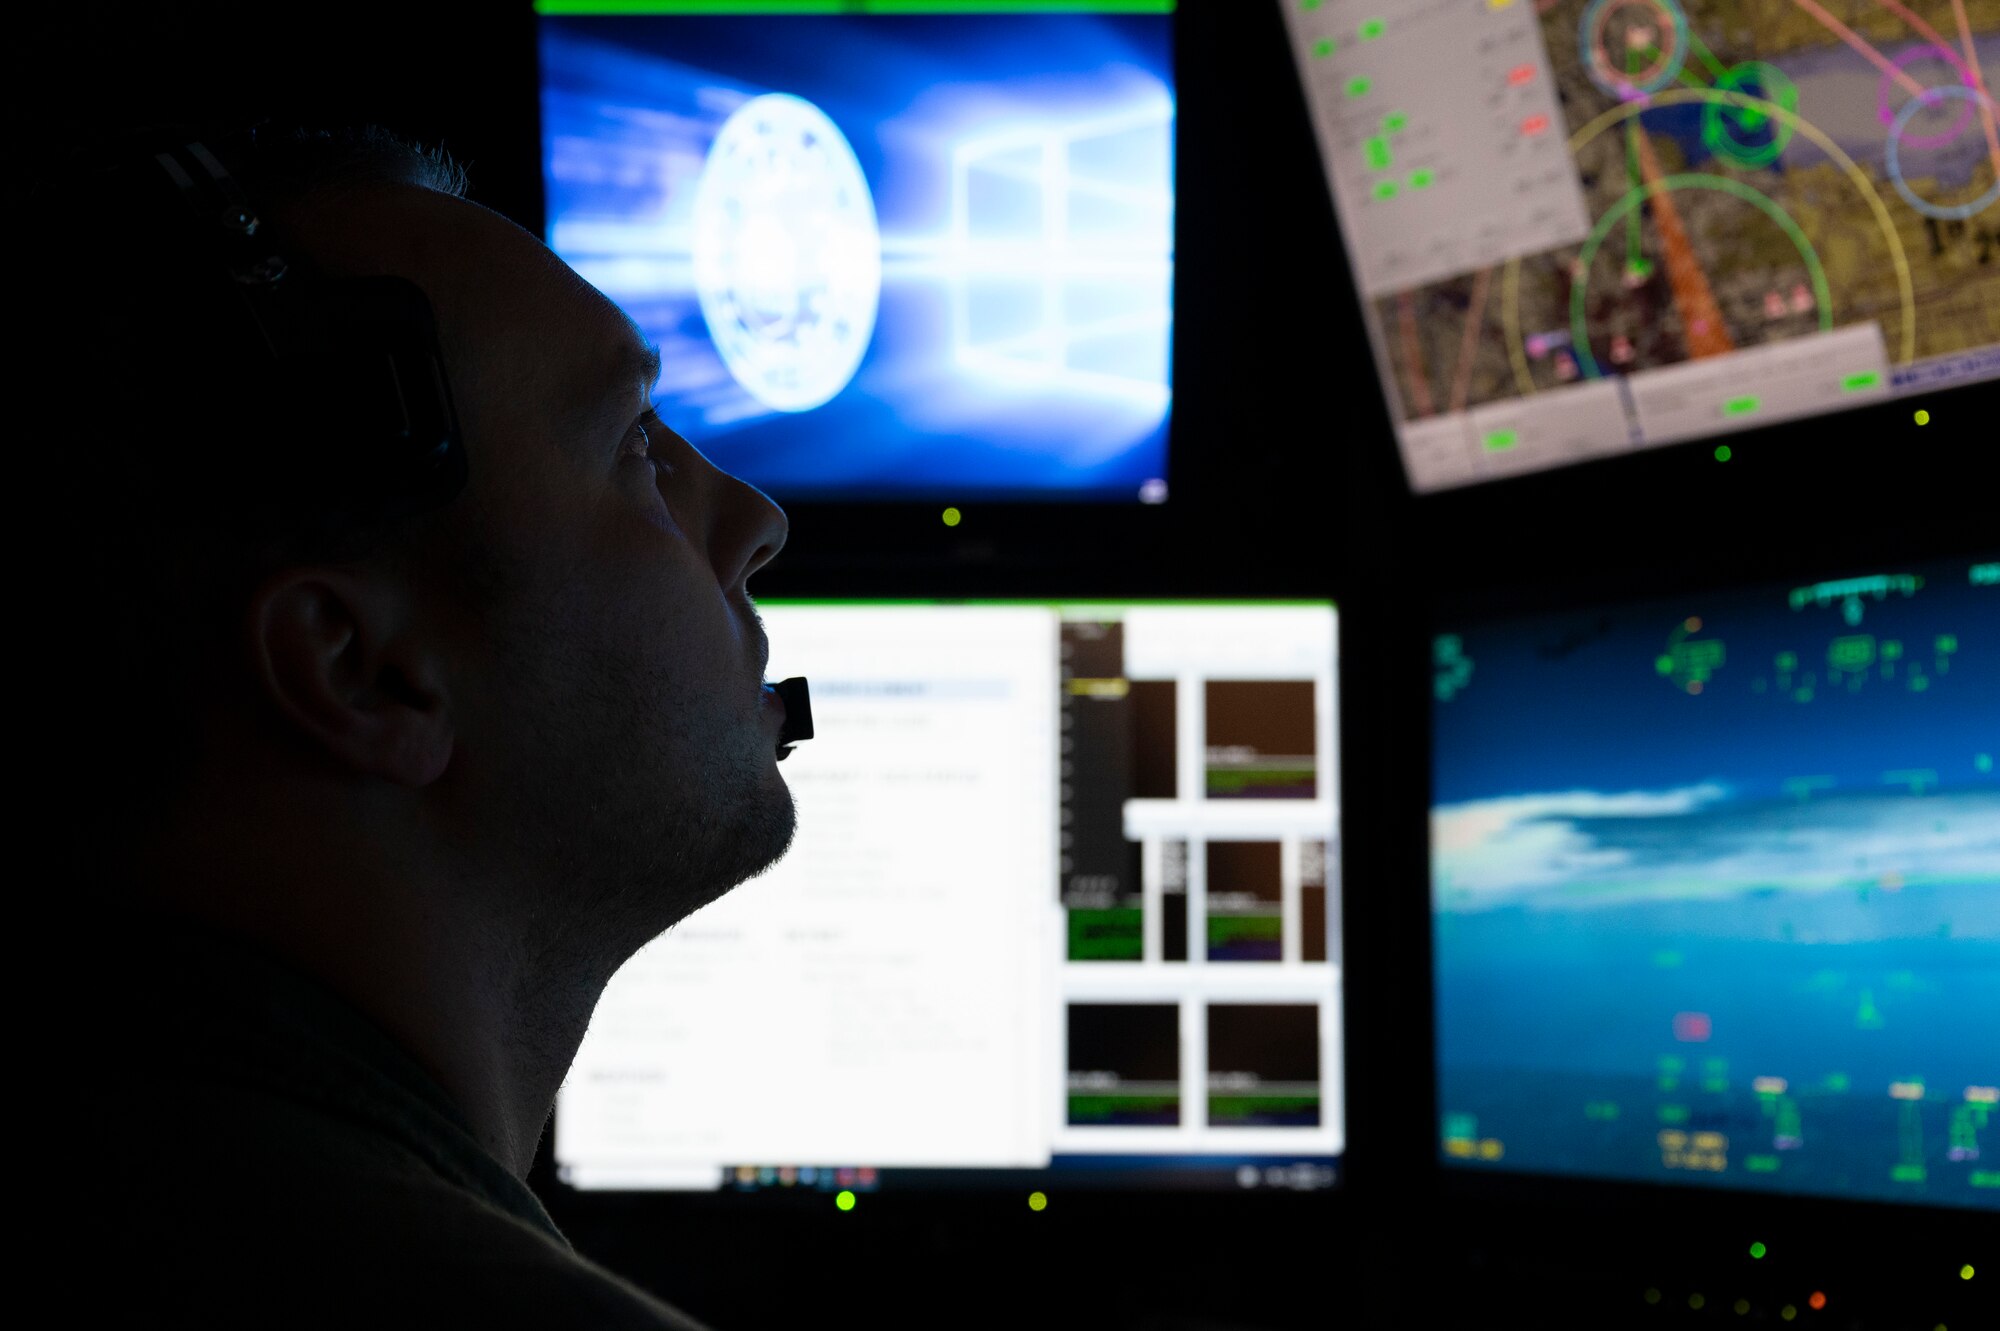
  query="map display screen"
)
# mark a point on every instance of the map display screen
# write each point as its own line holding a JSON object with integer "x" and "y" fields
{"x": 1715, "y": 888}
{"x": 1584, "y": 227}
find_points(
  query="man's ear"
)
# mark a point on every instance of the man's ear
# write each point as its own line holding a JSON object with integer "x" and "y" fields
{"x": 339, "y": 655}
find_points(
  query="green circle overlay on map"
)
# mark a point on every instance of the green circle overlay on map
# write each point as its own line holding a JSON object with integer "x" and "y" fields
{"x": 1718, "y": 119}
{"x": 1579, "y": 324}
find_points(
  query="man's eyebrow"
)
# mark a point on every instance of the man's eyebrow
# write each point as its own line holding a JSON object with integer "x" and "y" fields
{"x": 645, "y": 369}
{"x": 635, "y": 364}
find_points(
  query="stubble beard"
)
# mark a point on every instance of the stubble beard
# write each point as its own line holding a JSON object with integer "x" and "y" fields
{"x": 636, "y": 805}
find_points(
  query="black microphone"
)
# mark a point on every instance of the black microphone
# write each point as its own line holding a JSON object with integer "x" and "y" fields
{"x": 798, "y": 714}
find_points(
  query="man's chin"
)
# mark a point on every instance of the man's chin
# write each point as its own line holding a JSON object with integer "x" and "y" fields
{"x": 775, "y": 824}
{"x": 760, "y": 835}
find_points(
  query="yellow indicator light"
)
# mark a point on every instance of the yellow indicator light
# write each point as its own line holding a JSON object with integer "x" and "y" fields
{"x": 1037, "y": 1202}
{"x": 1923, "y": 417}
{"x": 952, "y": 517}
{"x": 1788, "y": 1312}
{"x": 1742, "y": 1307}
{"x": 1696, "y": 1301}
{"x": 1652, "y": 1296}
{"x": 845, "y": 1201}
{"x": 1965, "y": 1272}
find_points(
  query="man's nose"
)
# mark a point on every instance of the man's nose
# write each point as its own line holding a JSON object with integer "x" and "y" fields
{"x": 748, "y": 532}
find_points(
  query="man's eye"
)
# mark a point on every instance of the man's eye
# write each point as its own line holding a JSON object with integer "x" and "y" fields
{"x": 639, "y": 444}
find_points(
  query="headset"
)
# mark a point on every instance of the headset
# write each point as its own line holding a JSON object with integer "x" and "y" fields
{"x": 387, "y": 443}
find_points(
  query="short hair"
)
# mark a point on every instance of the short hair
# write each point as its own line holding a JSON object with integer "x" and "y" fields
{"x": 124, "y": 324}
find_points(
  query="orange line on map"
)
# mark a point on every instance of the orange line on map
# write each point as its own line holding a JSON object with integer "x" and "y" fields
{"x": 1694, "y": 299}
{"x": 1979, "y": 84}
{"x": 1468, "y": 346}
{"x": 1860, "y": 43}
{"x": 1413, "y": 356}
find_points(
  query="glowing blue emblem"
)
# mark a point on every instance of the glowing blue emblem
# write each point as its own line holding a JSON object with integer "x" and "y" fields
{"x": 787, "y": 254}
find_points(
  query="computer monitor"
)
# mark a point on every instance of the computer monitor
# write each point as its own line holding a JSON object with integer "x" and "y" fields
{"x": 1062, "y": 910}
{"x": 1579, "y": 228}
{"x": 1716, "y": 887}
{"x": 891, "y": 249}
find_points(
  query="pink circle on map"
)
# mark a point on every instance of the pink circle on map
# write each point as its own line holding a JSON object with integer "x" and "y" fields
{"x": 1887, "y": 114}
{"x": 1630, "y": 87}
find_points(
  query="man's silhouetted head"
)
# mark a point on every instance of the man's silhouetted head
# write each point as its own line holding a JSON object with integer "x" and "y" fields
{"x": 475, "y": 757}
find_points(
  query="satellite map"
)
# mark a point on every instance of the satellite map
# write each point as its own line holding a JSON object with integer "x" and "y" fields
{"x": 1755, "y": 171}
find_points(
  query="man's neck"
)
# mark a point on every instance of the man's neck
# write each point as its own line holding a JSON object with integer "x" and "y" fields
{"x": 476, "y": 1010}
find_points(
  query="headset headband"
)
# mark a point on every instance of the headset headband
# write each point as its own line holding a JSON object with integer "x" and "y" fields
{"x": 370, "y": 430}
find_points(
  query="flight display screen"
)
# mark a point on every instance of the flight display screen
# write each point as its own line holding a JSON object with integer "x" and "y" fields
{"x": 1715, "y": 888}
{"x": 1584, "y": 227}
{"x": 889, "y": 249}
{"x": 1063, "y": 909}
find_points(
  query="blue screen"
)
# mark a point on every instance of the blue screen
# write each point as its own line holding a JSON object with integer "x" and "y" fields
{"x": 885, "y": 256}
{"x": 1716, "y": 888}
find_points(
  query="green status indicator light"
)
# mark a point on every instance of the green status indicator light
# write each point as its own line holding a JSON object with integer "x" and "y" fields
{"x": 1394, "y": 122}
{"x": 1421, "y": 178}
{"x": 1309, "y": 5}
{"x": 1757, "y": 1251}
{"x": 1722, "y": 453}
{"x": 1741, "y": 406}
{"x": 1922, "y": 417}
{"x": 1965, "y": 1272}
{"x": 1386, "y": 190}
{"x": 1866, "y": 379}
{"x": 1323, "y": 47}
{"x": 1379, "y": 158}
{"x": 845, "y": 1200}
{"x": 952, "y": 517}
{"x": 1358, "y": 86}
{"x": 1499, "y": 441}
{"x": 1038, "y": 1201}
{"x": 1372, "y": 28}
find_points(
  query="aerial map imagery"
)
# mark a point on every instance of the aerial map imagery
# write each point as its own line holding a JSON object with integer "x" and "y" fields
{"x": 1674, "y": 218}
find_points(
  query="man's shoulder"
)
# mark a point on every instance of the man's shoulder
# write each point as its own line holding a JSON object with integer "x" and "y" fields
{"x": 254, "y": 1208}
